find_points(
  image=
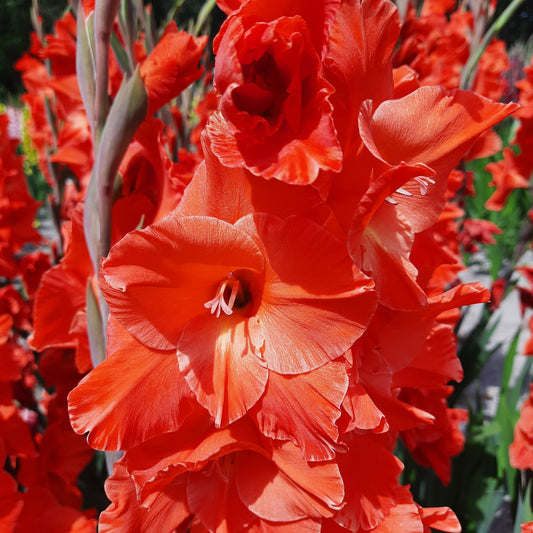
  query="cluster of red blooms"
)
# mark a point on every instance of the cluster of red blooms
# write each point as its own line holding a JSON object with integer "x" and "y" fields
{"x": 437, "y": 44}
{"x": 276, "y": 315}
{"x": 437, "y": 47}
{"x": 45, "y": 461}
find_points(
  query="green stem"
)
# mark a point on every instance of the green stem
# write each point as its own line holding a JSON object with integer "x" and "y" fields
{"x": 172, "y": 14}
{"x": 497, "y": 25}
{"x": 146, "y": 25}
{"x": 204, "y": 13}
{"x": 127, "y": 23}
{"x": 105, "y": 12}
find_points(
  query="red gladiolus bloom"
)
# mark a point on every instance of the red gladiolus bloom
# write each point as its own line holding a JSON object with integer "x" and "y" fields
{"x": 493, "y": 63}
{"x": 407, "y": 172}
{"x": 60, "y": 312}
{"x": 17, "y": 206}
{"x": 526, "y": 293}
{"x": 435, "y": 44}
{"x": 432, "y": 126}
{"x": 478, "y": 230}
{"x": 280, "y": 321}
{"x": 238, "y": 301}
{"x": 228, "y": 478}
{"x": 434, "y": 445}
{"x": 408, "y": 517}
{"x": 527, "y": 527}
{"x": 497, "y": 293}
{"x": 32, "y": 267}
{"x": 42, "y": 512}
{"x": 521, "y": 449}
{"x": 275, "y": 116}
{"x": 524, "y": 135}
{"x": 171, "y": 66}
{"x": 506, "y": 178}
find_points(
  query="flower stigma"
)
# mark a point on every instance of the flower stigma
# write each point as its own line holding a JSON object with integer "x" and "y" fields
{"x": 230, "y": 285}
{"x": 423, "y": 183}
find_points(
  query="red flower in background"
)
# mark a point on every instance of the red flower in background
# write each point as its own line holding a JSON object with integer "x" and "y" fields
{"x": 493, "y": 63}
{"x": 521, "y": 449}
{"x": 506, "y": 178}
{"x": 60, "y": 304}
{"x": 171, "y": 66}
{"x": 435, "y": 44}
{"x": 478, "y": 231}
{"x": 433, "y": 446}
{"x": 497, "y": 293}
{"x": 524, "y": 135}
{"x": 17, "y": 206}
{"x": 526, "y": 527}
{"x": 526, "y": 302}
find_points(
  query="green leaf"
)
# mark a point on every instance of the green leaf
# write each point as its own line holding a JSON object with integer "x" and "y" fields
{"x": 204, "y": 13}
{"x": 120, "y": 55}
{"x": 524, "y": 512}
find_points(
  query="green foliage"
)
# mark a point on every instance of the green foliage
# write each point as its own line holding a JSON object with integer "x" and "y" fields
{"x": 482, "y": 475}
{"x": 37, "y": 184}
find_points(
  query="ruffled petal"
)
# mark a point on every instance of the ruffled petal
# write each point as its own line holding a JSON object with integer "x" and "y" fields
{"x": 171, "y": 66}
{"x": 433, "y": 126}
{"x": 136, "y": 393}
{"x": 288, "y": 487}
{"x": 125, "y": 515}
{"x": 304, "y": 409}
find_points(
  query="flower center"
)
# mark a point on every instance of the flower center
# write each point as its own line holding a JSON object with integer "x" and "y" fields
{"x": 226, "y": 466}
{"x": 227, "y": 293}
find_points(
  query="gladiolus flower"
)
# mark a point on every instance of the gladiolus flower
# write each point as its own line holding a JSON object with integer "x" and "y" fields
{"x": 227, "y": 477}
{"x": 171, "y": 66}
{"x": 521, "y": 449}
{"x": 235, "y": 302}
{"x": 275, "y": 116}
{"x": 506, "y": 178}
